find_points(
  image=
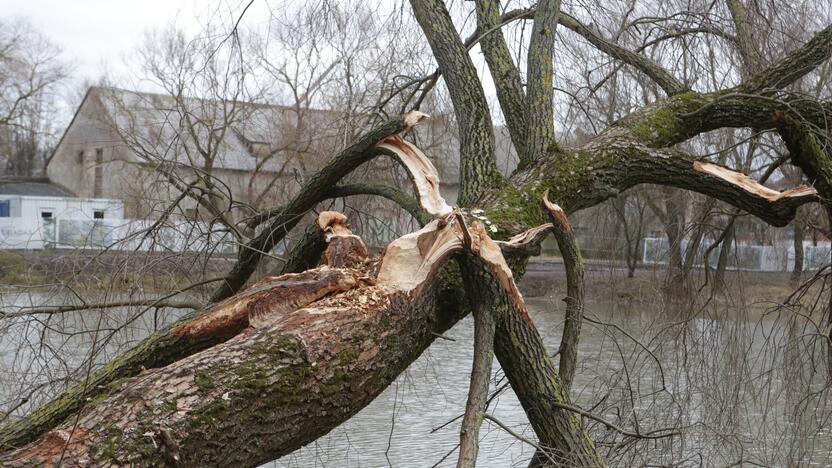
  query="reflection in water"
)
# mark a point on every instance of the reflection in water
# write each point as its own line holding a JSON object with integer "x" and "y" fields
{"x": 740, "y": 389}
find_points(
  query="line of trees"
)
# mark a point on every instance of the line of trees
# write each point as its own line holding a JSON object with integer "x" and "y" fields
{"x": 32, "y": 72}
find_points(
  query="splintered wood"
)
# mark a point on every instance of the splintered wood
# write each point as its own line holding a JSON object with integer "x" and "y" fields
{"x": 273, "y": 295}
{"x": 748, "y": 184}
{"x": 423, "y": 173}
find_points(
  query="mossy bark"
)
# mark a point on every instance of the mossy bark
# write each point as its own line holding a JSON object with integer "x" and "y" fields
{"x": 506, "y": 77}
{"x": 478, "y": 167}
{"x": 257, "y": 396}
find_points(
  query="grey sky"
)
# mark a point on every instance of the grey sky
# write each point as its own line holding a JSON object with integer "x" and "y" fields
{"x": 96, "y": 34}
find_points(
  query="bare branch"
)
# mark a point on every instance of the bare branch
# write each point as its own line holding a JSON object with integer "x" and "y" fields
{"x": 669, "y": 83}
{"x": 794, "y": 65}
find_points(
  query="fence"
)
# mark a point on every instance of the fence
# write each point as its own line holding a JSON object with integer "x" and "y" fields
{"x": 750, "y": 257}
{"x": 115, "y": 234}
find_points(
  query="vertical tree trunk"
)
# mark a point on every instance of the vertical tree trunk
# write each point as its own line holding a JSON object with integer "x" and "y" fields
{"x": 674, "y": 229}
{"x": 724, "y": 256}
{"x": 797, "y": 242}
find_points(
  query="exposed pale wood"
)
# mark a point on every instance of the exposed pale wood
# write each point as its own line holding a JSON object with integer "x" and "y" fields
{"x": 410, "y": 259}
{"x": 423, "y": 173}
{"x": 271, "y": 295}
{"x": 750, "y": 185}
{"x": 412, "y": 118}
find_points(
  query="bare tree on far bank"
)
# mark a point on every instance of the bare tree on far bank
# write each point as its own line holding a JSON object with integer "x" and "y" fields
{"x": 31, "y": 70}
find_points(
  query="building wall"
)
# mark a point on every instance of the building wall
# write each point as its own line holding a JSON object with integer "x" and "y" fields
{"x": 147, "y": 193}
{"x": 31, "y": 207}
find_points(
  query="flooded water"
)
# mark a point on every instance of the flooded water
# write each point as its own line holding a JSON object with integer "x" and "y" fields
{"x": 741, "y": 387}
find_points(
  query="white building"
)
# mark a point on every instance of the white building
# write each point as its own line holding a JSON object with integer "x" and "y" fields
{"x": 36, "y": 214}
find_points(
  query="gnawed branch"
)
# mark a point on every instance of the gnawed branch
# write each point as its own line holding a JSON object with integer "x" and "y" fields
{"x": 344, "y": 249}
{"x": 363, "y": 150}
{"x": 574, "y": 265}
{"x": 336, "y": 354}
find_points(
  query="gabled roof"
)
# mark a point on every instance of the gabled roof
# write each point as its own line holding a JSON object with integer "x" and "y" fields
{"x": 170, "y": 128}
{"x": 32, "y": 186}
{"x": 266, "y": 138}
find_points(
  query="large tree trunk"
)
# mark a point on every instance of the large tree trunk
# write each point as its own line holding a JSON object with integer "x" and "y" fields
{"x": 255, "y": 397}
{"x": 299, "y": 364}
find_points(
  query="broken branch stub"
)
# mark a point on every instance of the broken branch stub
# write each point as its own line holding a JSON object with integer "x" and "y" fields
{"x": 344, "y": 249}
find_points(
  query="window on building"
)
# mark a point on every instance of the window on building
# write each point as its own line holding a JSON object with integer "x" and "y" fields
{"x": 5, "y": 208}
{"x": 81, "y": 157}
{"x": 98, "y": 214}
{"x": 46, "y": 214}
{"x": 99, "y": 173}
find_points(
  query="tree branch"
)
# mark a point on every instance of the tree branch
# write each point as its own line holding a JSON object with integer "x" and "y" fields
{"x": 540, "y": 136}
{"x": 478, "y": 166}
{"x": 752, "y": 60}
{"x": 407, "y": 202}
{"x": 794, "y": 65}
{"x": 484, "y": 329}
{"x": 52, "y": 310}
{"x": 669, "y": 83}
{"x": 504, "y": 72}
{"x": 574, "y": 265}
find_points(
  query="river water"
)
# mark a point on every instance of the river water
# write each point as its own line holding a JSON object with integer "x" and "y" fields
{"x": 746, "y": 386}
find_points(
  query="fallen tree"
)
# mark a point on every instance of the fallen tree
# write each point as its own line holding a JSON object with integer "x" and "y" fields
{"x": 298, "y": 363}
{"x": 324, "y": 342}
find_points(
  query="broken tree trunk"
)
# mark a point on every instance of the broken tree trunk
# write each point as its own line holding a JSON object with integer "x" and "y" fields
{"x": 294, "y": 372}
{"x": 323, "y": 360}
{"x": 170, "y": 344}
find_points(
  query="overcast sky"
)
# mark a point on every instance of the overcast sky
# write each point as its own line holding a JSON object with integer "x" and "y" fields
{"x": 96, "y": 34}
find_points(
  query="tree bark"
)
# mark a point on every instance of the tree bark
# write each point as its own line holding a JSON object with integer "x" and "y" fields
{"x": 797, "y": 242}
{"x": 277, "y": 388}
{"x": 724, "y": 256}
